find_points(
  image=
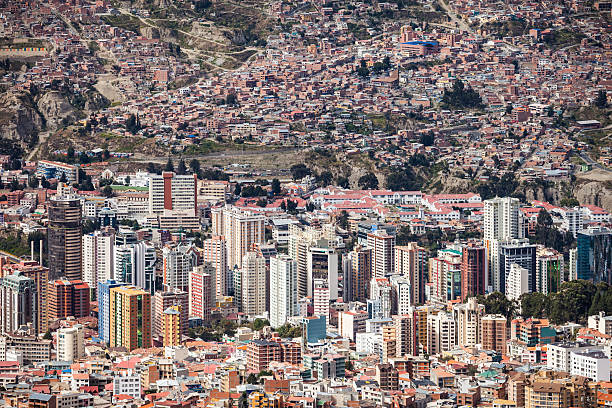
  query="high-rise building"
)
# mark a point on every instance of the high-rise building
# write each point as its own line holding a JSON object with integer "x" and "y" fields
{"x": 70, "y": 343}
{"x": 130, "y": 317}
{"x": 253, "y": 285}
{"x": 215, "y": 252}
{"x": 64, "y": 238}
{"x": 98, "y": 257}
{"x": 406, "y": 341}
{"x": 549, "y": 271}
{"x": 19, "y": 303}
{"x": 167, "y": 299}
{"x": 314, "y": 328}
{"x": 445, "y": 275}
{"x": 503, "y": 221}
{"x": 202, "y": 291}
{"x": 40, "y": 275}
{"x": 594, "y": 255}
{"x": 401, "y": 294}
{"x": 573, "y": 264}
{"x": 518, "y": 282}
{"x": 178, "y": 262}
{"x": 283, "y": 290}
{"x": 381, "y": 294}
{"x": 104, "y": 318}
{"x": 519, "y": 252}
{"x": 300, "y": 241}
{"x": 572, "y": 220}
{"x": 441, "y": 332}
{"x": 320, "y": 298}
{"x": 170, "y": 191}
{"x": 473, "y": 271}
{"x": 383, "y": 247}
{"x": 241, "y": 230}
{"x": 68, "y": 299}
{"x": 322, "y": 264}
{"x": 360, "y": 273}
{"x": 493, "y": 333}
{"x": 411, "y": 262}
{"x": 171, "y": 323}
{"x": 135, "y": 265}
{"x": 468, "y": 317}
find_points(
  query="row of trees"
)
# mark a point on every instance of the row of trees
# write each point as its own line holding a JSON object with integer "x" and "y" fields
{"x": 575, "y": 301}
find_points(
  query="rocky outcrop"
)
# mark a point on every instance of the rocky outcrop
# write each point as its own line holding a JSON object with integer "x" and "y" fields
{"x": 56, "y": 109}
{"x": 20, "y": 121}
{"x": 149, "y": 32}
{"x": 595, "y": 188}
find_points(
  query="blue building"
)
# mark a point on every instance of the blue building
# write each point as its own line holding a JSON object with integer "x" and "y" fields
{"x": 314, "y": 328}
{"x": 104, "y": 308}
{"x": 594, "y": 255}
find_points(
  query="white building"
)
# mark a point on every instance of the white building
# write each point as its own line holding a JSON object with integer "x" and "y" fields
{"x": 241, "y": 230}
{"x": 321, "y": 298}
{"x": 601, "y": 323}
{"x": 383, "y": 253}
{"x": 215, "y": 252}
{"x": 352, "y": 322}
{"x": 283, "y": 290}
{"x": 468, "y": 317}
{"x": 178, "y": 262}
{"x": 558, "y": 355}
{"x": 253, "y": 285}
{"x": 518, "y": 282}
{"x": 70, "y": 343}
{"x": 441, "y": 333}
{"x": 322, "y": 263}
{"x": 127, "y": 383}
{"x": 401, "y": 294}
{"x": 502, "y": 221}
{"x": 98, "y": 258}
{"x": 593, "y": 364}
{"x": 380, "y": 290}
{"x": 135, "y": 265}
{"x": 369, "y": 343}
{"x": 572, "y": 220}
{"x": 170, "y": 191}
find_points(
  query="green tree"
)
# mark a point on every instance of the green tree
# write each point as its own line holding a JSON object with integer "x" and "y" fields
{"x": 428, "y": 138}
{"x": 325, "y": 178}
{"x": 299, "y": 171}
{"x": 460, "y": 97}
{"x": 107, "y": 191}
{"x": 181, "y": 168}
{"x": 252, "y": 379}
{"x": 259, "y": 324}
{"x": 498, "y": 303}
{"x": 343, "y": 219}
{"x": 534, "y": 305}
{"x": 169, "y": 165}
{"x": 276, "y": 187}
{"x": 194, "y": 165}
{"x": 572, "y": 303}
{"x": 601, "y": 101}
{"x": 33, "y": 182}
{"x": 368, "y": 181}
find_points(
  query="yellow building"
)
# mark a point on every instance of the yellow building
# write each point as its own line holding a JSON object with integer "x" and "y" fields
{"x": 172, "y": 326}
{"x": 130, "y": 318}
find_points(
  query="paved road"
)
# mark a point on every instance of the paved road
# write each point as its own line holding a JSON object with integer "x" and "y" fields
{"x": 592, "y": 162}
